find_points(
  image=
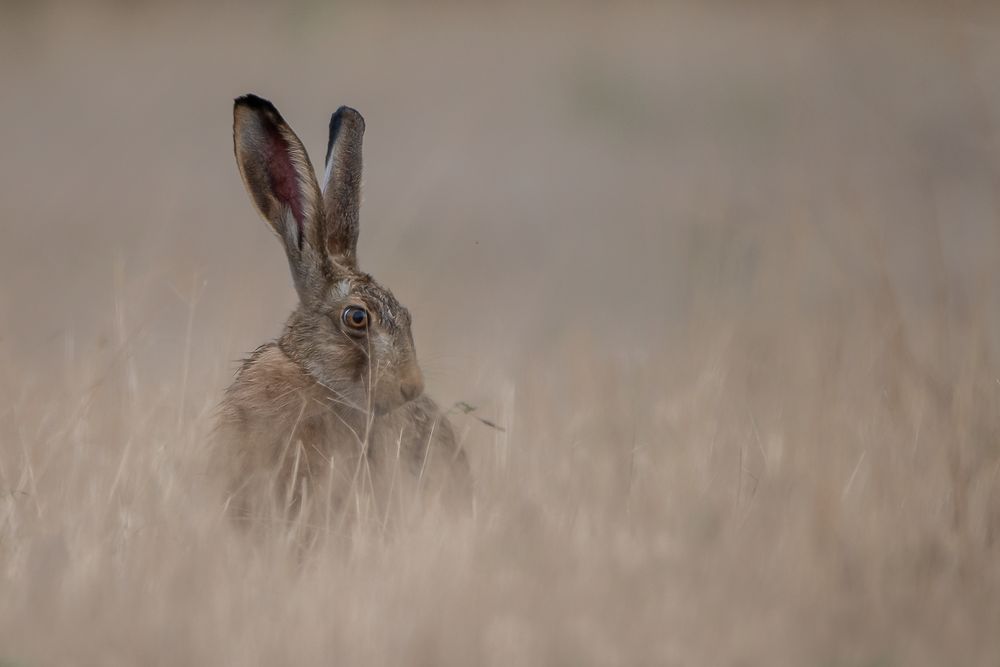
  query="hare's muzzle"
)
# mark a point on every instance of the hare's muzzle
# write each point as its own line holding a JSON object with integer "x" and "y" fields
{"x": 411, "y": 385}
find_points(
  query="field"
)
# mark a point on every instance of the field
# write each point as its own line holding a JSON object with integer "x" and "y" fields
{"x": 726, "y": 282}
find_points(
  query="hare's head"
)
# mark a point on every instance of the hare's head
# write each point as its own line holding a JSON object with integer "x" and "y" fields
{"x": 348, "y": 332}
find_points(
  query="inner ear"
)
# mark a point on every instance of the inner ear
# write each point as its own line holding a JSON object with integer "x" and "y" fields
{"x": 284, "y": 179}
{"x": 280, "y": 179}
{"x": 276, "y": 171}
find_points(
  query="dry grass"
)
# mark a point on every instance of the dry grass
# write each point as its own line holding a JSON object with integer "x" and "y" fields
{"x": 728, "y": 280}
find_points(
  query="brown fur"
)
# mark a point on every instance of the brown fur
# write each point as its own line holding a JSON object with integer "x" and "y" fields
{"x": 326, "y": 410}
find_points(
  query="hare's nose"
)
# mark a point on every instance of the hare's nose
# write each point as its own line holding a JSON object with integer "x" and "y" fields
{"x": 412, "y": 386}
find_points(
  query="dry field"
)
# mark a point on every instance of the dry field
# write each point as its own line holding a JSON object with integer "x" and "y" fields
{"x": 728, "y": 279}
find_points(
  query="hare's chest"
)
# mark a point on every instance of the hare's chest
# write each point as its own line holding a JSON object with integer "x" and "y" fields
{"x": 325, "y": 436}
{"x": 337, "y": 456}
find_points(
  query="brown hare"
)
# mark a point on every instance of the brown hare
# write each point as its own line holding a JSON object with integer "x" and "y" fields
{"x": 335, "y": 406}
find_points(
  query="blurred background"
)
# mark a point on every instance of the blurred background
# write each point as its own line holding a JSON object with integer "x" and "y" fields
{"x": 727, "y": 275}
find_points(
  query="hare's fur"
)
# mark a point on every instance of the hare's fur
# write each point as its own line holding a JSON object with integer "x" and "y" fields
{"x": 329, "y": 409}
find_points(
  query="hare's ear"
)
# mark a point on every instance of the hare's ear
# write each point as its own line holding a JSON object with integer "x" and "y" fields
{"x": 280, "y": 179}
{"x": 342, "y": 186}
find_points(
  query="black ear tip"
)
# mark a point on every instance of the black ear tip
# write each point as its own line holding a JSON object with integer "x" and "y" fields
{"x": 348, "y": 111}
{"x": 251, "y": 101}
{"x": 346, "y": 116}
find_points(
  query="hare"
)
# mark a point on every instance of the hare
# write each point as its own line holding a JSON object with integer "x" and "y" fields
{"x": 335, "y": 406}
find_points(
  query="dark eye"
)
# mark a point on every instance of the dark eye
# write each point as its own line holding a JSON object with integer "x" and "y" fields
{"x": 355, "y": 317}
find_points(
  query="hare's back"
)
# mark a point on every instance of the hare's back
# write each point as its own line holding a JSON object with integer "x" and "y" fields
{"x": 268, "y": 385}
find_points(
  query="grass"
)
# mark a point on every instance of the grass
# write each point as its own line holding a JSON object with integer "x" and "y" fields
{"x": 762, "y": 487}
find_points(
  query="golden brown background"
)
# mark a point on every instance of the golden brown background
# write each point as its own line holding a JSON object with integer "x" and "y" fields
{"x": 727, "y": 274}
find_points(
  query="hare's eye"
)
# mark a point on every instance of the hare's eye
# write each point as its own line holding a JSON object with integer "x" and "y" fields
{"x": 355, "y": 317}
